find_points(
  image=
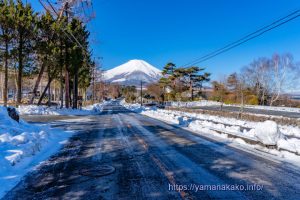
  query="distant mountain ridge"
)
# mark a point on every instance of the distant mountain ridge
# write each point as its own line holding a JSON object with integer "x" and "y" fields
{"x": 132, "y": 73}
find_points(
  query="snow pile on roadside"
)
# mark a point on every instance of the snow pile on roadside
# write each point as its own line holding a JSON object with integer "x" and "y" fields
{"x": 274, "y": 108}
{"x": 16, "y": 147}
{"x": 45, "y": 110}
{"x": 95, "y": 108}
{"x": 268, "y": 133}
{"x": 195, "y": 103}
{"x": 21, "y": 140}
{"x": 22, "y": 146}
{"x": 135, "y": 107}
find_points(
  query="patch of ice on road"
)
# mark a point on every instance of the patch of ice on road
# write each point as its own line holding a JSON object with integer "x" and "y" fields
{"x": 23, "y": 146}
{"x": 85, "y": 119}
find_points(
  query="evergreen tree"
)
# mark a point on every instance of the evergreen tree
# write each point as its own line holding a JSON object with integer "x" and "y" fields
{"x": 79, "y": 55}
{"x": 25, "y": 28}
{"x": 44, "y": 47}
{"x": 6, "y": 37}
{"x": 164, "y": 83}
{"x": 193, "y": 79}
{"x": 169, "y": 69}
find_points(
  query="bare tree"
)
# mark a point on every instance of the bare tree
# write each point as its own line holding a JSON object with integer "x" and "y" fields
{"x": 257, "y": 78}
{"x": 271, "y": 78}
{"x": 281, "y": 75}
{"x": 220, "y": 91}
{"x": 241, "y": 90}
{"x": 157, "y": 91}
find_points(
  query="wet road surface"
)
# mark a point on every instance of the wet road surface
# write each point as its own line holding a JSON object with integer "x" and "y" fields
{"x": 124, "y": 155}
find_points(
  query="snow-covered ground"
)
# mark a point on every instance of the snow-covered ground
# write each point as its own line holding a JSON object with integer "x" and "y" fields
{"x": 195, "y": 103}
{"x": 215, "y": 103}
{"x": 45, "y": 110}
{"x": 23, "y": 146}
{"x": 285, "y": 138}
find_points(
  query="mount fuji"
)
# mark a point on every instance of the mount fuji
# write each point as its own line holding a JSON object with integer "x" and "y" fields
{"x": 132, "y": 73}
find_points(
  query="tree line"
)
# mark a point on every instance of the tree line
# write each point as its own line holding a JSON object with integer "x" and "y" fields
{"x": 265, "y": 81}
{"x": 33, "y": 43}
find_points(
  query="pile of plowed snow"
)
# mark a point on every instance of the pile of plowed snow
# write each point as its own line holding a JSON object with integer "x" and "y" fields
{"x": 45, "y": 110}
{"x": 23, "y": 146}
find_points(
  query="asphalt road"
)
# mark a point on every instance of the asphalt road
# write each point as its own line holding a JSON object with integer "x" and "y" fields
{"x": 123, "y": 155}
{"x": 251, "y": 110}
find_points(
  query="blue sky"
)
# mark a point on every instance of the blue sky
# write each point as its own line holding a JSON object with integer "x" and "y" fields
{"x": 160, "y": 31}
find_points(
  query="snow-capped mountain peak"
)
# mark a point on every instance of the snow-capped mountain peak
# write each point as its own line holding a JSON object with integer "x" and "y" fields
{"x": 132, "y": 73}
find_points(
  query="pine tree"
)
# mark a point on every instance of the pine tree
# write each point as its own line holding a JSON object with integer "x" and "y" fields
{"x": 44, "y": 47}
{"x": 78, "y": 54}
{"x": 194, "y": 79}
{"x": 164, "y": 83}
{"x": 169, "y": 69}
{"x": 6, "y": 37}
{"x": 25, "y": 27}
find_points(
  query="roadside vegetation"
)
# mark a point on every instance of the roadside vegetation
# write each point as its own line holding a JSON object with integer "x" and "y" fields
{"x": 265, "y": 81}
{"x": 36, "y": 47}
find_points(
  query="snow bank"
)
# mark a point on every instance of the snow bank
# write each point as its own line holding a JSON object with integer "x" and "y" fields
{"x": 267, "y": 132}
{"x": 215, "y": 103}
{"x": 45, "y": 110}
{"x": 274, "y": 108}
{"x": 22, "y": 146}
{"x": 195, "y": 103}
{"x": 286, "y": 138}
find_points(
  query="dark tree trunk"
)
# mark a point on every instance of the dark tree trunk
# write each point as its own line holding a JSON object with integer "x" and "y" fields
{"x": 192, "y": 90}
{"x": 67, "y": 89}
{"x": 61, "y": 89}
{"x": 49, "y": 88}
{"x": 20, "y": 71}
{"x": 75, "y": 89}
{"x": 5, "y": 91}
{"x": 192, "y": 94}
{"x": 67, "y": 80}
{"x": 70, "y": 95}
{"x": 61, "y": 76}
{"x": 44, "y": 92}
{"x": 38, "y": 80}
{"x": 49, "y": 96}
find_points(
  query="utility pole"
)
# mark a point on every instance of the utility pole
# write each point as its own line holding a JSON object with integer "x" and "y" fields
{"x": 141, "y": 93}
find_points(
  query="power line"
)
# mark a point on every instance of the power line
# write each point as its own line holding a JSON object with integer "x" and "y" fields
{"x": 64, "y": 30}
{"x": 238, "y": 44}
{"x": 246, "y": 38}
{"x": 57, "y": 19}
